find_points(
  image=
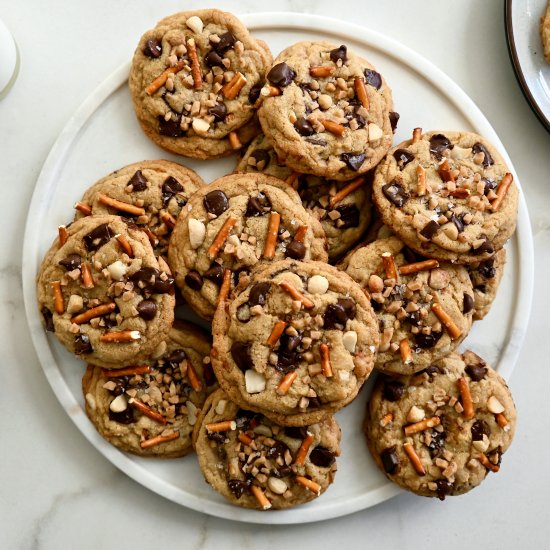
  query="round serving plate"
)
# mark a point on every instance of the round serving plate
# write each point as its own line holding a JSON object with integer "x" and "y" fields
{"x": 103, "y": 135}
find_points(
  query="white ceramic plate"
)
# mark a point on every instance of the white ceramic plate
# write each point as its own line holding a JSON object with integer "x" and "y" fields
{"x": 103, "y": 135}
{"x": 533, "y": 72}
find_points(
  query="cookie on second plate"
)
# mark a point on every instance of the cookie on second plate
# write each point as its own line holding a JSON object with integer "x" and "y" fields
{"x": 104, "y": 293}
{"x": 424, "y": 307}
{"x": 440, "y": 432}
{"x": 297, "y": 343}
{"x": 255, "y": 463}
{"x": 231, "y": 225}
{"x": 447, "y": 195}
{"x": 343, "y": 208}
{"x": 326, "y": 111}
{"x": 151, "y": 193}
{"x": 194, "y": 80}
{"x": 150, "y": 409}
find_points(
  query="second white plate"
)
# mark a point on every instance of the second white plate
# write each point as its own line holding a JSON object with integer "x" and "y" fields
{"x": 104, "y": 135}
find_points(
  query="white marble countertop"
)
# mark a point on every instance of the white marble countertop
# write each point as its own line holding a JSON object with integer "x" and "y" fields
{"x": 57, "y": 491}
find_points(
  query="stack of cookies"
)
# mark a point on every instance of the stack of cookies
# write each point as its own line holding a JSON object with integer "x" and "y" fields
{"x": 325, "y": 255}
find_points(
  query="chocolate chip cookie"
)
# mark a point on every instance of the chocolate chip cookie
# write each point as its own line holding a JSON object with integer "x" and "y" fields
{"x": 256, "y": 463}
{"x": 151, "y": 193}
{"x": 194, "y": 80}
{"x": 545, "y": 33}
{"x": 326, "y": 111}
{"x": 424, "y": 307}
{"x": 441, "y": 431}
{"x": 297, "y": 343}
{"x": 232, "y": 224}
{"x": 343, "y": 208}
{"x": 104, "y": 293}
{"x": 447, "y": 195}
{"x": 150, "y": 409}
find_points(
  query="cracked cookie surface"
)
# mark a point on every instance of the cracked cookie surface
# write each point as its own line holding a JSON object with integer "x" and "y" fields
{"x": 447, "y": 195}
{"x": 194, "y": 80}
{"x": 230, "y": 226}
{"x": 296, "y": 343}
{"x": 408, "y": 294}
{"x": 151, "y": 193}
{"x": 440, "y": 432}
{"x": 104, "y": 293}
{"x": 343, "y": 208}
{"x": 255, "y": 463}
{"x": 326, "y": 111}
{"x": 151, "y": 409}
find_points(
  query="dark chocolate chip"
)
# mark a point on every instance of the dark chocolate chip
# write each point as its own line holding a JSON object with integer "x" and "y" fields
{"x": 120, "y": 387}
{"x": 227, "y": 41}
{"x": 247, "y": 420}
{"x": 335, "y": 317}
{"x": 176, "y": 357}
{"x": 395, "y": 193}
{"x": 489, "y": 185}
{"x": 219, "y": 112}
{"x": 339, "y": 53}
{"x": 476, "y": 372}
{"x": 218, "y": 437}
{"x": 282, "y": 471}
{"x": 170, "y": 187}
{"x": 314, "y": 403}
{"x": 281, "y": 75}
{"x": 287, "y": 360}
{"x": 415, "y": 317}
{"x": 147, "y": 309}
{"x": 486, "y": 269}
{"x": 82, "y": 344}
{"x": 258, "y": 205}
{"x": 47, "y": 315}
{"x": 303, "y": 127}
{"x": 261, "y": 155}
{"x": 432, "y": 370}
{"x": 152, "y": 48}
{"x": 138, "y": 181}
{"x": 149, "y": 279}
{"x": 427, "y": 341}
{"x": 403, "y": 157}
{"x": 354, "y": 162}
{"x": 215, "y": 274}
{"x": 321, "y": 457}
{"x": 444, "y": 488}
{"x": 124, "y": 417}
{"x": 258, "y": 294}
{"x": 390, "y": 460}
{"x": 216, "y": 202}
{"x": 277, "y": 450}
{"x": 349, "y": 216}
{"x": 430, "y": 229}
{"x": 295, "y": 250}
{"x": 240, "y": 351}
{"x": 296, "y": 432}
{"x": 468, "y": 303}
{"x": 193, "y": 280}
{"x": 170, "y": 127}
{"x": 393, "y": 390}
{"x": 213, "y": 59}
{"x": 394, "y": 119}
{"x": 437, "y": 443}
{"x": 349, "y": 306}
{"x": 487, "y": 158}
{"x": 289, "y": 344}
{"x": 438, "y": 144}
{"x": 72, "y": 261}
{"x": 99, "y": 236}
{"x": 479, "y": 429}
{"x": 373, "y": 78}
{"x": 254, "y": 93}
{"x": 458, "y": 222}
{"x": 485, "y": 248}
{"x": 238, "y": 487}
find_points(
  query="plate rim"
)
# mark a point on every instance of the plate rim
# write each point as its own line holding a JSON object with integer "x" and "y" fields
{"x": 259, "y": 21}
{"x": 518, "y": 70}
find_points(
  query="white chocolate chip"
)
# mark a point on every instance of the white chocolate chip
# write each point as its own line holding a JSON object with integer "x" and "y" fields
{"x": 119, "y": 403}
{"x": 482, "y": 444}
{"x": 200, "y": 126}
{"x": 255, "y": 381}
{"x": 494, "y": 405}
{"x": 220, "y": 407}
{"x": 195, "y": 24}
{"x": 117, "y": 270}
{"x": 317, "y": 284}
{"x": 375, "y": 132}
{"x": 350, "y": 340}
{"x": 276, "y": 485}
{"x": 191, "y": 413}
{"x": 76, "y": 303}
{"x": 439, "y": 279}
{"x": 197, "y": 232}
{"x": 325, "y": 101}
{"x": 416, "y": 414}
{"x": 90, "y": 399}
